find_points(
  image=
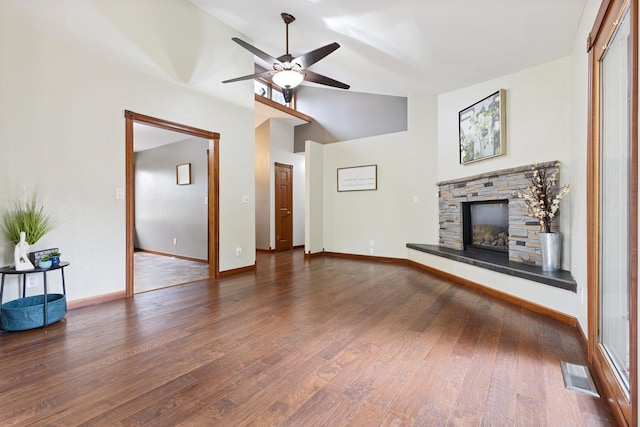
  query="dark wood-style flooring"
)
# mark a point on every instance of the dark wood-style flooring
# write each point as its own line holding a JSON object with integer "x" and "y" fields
{"x": 321, "y": 342}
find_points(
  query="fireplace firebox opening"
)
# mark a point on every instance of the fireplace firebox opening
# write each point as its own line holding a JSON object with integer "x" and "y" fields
{"x": 485, "y": 225}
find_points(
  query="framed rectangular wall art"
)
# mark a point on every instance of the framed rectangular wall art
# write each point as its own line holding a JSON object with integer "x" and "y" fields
{"x": 358, "y": 178}
{"x": 483, "y": 129}
{"x": 183, "y": 174}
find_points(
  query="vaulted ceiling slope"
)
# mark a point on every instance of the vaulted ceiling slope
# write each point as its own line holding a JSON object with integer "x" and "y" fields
{"x": 405, "y": 46}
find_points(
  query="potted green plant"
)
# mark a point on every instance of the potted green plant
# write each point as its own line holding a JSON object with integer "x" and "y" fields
{"x": 44, "y": 263}
{"x": 24, "y": 224}
{"x": 55, "y": 257}
{"x": 28, "y": 215}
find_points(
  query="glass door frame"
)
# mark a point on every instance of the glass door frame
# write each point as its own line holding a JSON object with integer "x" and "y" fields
{"x": 623, "y": 404}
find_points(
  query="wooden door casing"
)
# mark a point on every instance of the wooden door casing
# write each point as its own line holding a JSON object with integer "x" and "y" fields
{"x": 284, "y": 206}
{"x": 213, "y": 192}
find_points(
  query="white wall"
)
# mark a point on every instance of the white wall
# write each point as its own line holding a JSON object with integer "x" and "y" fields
{"x": 343, "y": 115}
{"x": 546, "y": 120}
{"x": 422, "y": 160}
{"x": 263, "y": 191}
{"x": 389, "y": 215}
{"x": 537, "y": 128}
{"x": 560, "y": 300}
{"x": 537, "y": 113}
{"x": 579, "y": 105}
{"x": 172, "y": 218}
{"x": 68, "y": 70}
{"x": 314, "y": 197}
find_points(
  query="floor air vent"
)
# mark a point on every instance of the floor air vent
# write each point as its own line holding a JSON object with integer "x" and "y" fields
{"x": 578, "y": 378}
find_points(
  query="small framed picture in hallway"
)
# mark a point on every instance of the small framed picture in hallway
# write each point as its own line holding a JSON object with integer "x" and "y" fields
{"x": 183, "y": 174}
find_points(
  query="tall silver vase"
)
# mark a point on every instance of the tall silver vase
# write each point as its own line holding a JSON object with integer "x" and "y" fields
{"x": 550, "y": 245}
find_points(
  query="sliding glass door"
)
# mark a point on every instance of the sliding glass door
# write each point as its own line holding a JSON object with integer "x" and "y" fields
{"x": 615, "y": 113}
{"x": 612, "y": 204}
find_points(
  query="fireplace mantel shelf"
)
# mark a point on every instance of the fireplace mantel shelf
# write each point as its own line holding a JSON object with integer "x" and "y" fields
{"x": 498, "y": 262}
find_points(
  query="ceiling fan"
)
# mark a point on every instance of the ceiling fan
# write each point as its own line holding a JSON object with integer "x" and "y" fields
{"x": 288, "y": 72}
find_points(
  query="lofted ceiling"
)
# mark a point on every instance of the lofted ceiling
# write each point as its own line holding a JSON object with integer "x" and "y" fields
{"x": 401, "y": 47}
{"x": 407, "y": 46}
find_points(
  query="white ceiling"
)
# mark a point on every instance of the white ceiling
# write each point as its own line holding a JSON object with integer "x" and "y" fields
{"x": 404, "y": 46}
{"x": 146, "y": 137}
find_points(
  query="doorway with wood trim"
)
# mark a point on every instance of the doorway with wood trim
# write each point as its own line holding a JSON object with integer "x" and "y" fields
{"x": 284, "y": 206}
{"x": 212, "y": 192}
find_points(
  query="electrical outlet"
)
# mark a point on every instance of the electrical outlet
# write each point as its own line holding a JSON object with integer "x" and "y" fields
{"x": 32, "y": 281}
{"x": 175, "y": 241}
{"x": 238, "y": 251}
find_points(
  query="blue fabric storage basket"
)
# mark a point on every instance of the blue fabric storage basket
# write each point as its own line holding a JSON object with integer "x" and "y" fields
{"x": 28, "y": 313}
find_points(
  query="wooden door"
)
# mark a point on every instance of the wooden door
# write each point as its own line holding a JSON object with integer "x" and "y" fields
{"x": 284, "y": 207}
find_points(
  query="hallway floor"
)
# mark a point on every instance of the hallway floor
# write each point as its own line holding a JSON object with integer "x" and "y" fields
{"x": 152, "y": 271}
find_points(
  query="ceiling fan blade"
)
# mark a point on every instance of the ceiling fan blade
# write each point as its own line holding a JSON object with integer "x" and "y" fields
{"x": 310, "y": 58}
{"x": 251, "y": 76}
{"x": 257, "y": 52}
{"x": 310, "y": 76}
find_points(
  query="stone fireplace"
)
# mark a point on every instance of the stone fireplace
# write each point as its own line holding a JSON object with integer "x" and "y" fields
{"x": 485, "y": 225}
{"x": 457, "y": 196}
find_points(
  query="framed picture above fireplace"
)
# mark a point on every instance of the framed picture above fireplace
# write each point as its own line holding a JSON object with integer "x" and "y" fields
{"x": 482, "y": 129}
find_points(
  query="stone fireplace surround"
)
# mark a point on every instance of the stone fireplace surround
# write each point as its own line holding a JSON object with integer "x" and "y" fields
{"x": 497, "y": 185}
{"x": 524, "y": 258}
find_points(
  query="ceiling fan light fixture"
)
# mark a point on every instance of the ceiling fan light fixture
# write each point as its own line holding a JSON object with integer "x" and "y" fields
{"x": 288, "y": 71}
{"x": 288, "y": 79}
